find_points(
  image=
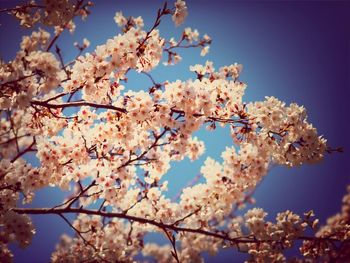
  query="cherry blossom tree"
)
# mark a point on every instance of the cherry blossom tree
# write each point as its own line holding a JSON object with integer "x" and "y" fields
{"x": 114, "y": 149}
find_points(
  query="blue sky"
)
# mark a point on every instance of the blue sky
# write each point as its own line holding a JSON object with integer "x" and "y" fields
{"x": 296, "y": 51}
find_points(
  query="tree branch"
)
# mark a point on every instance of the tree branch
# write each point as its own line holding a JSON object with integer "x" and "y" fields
{"x": 77, "y": 104}
{"x": 236, "y": 240}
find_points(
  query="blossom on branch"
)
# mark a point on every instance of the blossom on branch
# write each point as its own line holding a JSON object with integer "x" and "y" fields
{"x": 180, "y": 12}
{"x": 111, "y": 148}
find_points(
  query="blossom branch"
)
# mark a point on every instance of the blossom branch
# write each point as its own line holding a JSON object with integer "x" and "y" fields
{"x": 77, "y": 104}
{"x": 160, "y": 13}
{"x": 154, "y": 144}
{"x": 21, "y": 8}
{"x": 146, "y": 131}
{"x": 173, "y": 227}
{"x": 172, "y": 240}
{"x": 80, "y": 234}
{"x": 23, "y": 152}
{"x": 54, "y": 39}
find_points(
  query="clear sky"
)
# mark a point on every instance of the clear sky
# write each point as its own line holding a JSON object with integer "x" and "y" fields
{"x": 296, "y": 51}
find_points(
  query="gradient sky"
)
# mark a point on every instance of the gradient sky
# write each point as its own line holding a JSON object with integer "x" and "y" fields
{"x": 296, "y": 51}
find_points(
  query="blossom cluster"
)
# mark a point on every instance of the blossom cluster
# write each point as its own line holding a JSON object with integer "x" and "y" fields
{"x": 34, "y": 72}
{"x": 279, "y": 236}
{"x": 92, "y": 72}
{"x": 51, "y": 13}
{"x": 112, "y": 239}
{"x": 180, "y": 12}
{"x": 14, "y": 227}
{"x": 336, "y": 230}
{"x": 285, "y": 132}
